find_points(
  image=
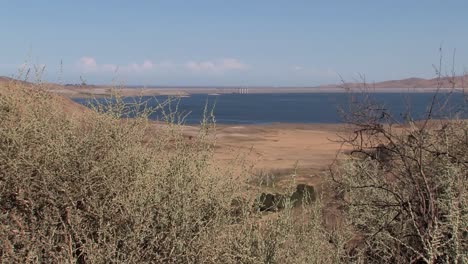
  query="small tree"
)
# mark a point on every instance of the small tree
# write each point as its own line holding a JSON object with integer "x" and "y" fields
{"x": 404, "y": 184}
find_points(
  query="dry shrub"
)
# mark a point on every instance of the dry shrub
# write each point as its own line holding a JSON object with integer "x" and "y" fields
{"x": 404, "y": 188}
{"x": 91, "y": 187}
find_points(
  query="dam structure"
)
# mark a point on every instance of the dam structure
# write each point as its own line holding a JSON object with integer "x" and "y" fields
{"x": 243, "y": 91}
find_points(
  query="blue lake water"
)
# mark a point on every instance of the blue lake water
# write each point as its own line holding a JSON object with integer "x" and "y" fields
{"x": 302, "y": 108}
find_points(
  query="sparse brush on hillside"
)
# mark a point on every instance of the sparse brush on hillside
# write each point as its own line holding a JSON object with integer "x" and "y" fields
{"x": 84, "y": 186}
{"x": 91, "y": 187}
{"x": 404, "y": 188}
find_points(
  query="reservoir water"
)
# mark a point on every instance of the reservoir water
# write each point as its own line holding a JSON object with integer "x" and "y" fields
{"x": 303, "y": 107}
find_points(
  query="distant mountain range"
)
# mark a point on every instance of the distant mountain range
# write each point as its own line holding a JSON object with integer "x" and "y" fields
{"x": 443, "y": 82}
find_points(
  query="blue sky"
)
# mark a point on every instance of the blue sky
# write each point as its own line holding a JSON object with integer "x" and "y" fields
{"x": 284, "y": 43}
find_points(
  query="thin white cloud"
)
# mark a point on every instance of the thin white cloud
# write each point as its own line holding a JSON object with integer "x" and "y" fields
{"x": 90, "y": 65}
{"x": 216, "y": 66}
{"x": 87, "y": 64}
{"x": 135, "y": 67}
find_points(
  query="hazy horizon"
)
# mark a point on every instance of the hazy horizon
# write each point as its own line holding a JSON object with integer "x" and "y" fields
{"x": 242, "y": 43}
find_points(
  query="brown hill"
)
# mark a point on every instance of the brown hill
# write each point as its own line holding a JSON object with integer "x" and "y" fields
{"x": 10, "y": 86}
{"x": 7, "y": 80}
{"x": 443, "y": 82}
{"x": 82, "y": 91}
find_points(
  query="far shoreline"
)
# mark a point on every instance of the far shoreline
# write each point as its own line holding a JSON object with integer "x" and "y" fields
{"x": 87, "y": 92}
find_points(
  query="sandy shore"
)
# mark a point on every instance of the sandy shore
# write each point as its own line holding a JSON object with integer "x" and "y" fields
{"x": 280, "y": 146}
{"x": 277, "y": 149}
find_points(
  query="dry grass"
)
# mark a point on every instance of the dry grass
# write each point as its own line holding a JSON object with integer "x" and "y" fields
{"x": 91, "y": 187}
{"x": 82, "y": 186}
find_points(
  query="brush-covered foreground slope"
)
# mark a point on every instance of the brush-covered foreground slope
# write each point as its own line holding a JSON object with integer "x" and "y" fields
{"x": 85, "y": 187}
